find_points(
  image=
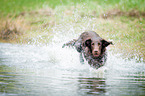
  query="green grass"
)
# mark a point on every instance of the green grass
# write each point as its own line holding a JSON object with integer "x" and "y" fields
{"x": 37, "y": 19}
{"x": 14, "y": 7}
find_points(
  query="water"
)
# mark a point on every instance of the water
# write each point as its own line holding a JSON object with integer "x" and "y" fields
{"x": 53, "y": 71}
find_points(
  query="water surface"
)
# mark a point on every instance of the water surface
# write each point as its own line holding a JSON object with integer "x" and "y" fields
{"x": 53, "y": 71}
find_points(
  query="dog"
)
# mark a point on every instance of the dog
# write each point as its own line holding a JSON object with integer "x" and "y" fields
{"x": 91, "y": 47}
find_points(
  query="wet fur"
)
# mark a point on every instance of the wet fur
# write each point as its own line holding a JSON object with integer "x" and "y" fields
{"x": 92, "y": 47}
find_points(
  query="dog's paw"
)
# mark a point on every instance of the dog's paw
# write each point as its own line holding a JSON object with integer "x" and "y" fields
{"x": 63, "y": 45}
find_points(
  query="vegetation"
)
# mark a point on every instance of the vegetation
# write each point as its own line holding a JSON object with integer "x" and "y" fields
{"x": 33, "y": 21}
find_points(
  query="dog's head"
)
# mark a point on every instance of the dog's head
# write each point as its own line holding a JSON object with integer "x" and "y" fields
{"x": 97, "y": 46}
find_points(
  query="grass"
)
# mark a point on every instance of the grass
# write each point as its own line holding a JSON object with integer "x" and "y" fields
{"x": 122, "y": 21}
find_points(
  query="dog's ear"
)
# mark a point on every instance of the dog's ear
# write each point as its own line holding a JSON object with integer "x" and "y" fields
{"x": 106, "y": 43}
{"x": 88, "y": 43}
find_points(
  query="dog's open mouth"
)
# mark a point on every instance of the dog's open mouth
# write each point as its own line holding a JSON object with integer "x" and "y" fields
{"x": 96, "y": 55}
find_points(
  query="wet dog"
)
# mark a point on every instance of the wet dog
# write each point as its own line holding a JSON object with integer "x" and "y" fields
{"x": 92, "y": 47}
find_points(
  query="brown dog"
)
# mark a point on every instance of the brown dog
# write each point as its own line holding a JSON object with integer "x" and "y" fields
{"x": 92, "y": 47}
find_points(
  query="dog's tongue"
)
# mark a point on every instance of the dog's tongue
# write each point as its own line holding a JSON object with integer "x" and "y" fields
{"x": 96, "y": 55}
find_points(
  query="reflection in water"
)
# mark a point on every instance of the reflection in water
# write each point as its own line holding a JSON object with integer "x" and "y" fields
{"x": 53, "y": 71}
{"x": 93, "y": 85}
{"x": 7, "y": 82}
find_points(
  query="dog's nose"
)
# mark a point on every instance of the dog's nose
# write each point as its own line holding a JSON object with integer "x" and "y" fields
{"x": 95, "y": 51}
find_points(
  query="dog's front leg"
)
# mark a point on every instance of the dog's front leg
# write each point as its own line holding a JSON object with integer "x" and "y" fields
{"x": 70, "y": 43}
{"x": 81, "y": 58}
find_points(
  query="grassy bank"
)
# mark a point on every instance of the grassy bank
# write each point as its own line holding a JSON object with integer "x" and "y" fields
{"x": 29, "y": 21}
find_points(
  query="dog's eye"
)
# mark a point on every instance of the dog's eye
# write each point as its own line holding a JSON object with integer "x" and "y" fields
{"x": 99, "y": 44}
{"x": 92, "y": 43}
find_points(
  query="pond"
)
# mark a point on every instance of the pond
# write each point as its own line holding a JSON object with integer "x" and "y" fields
{"x": 51, "y": 70}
